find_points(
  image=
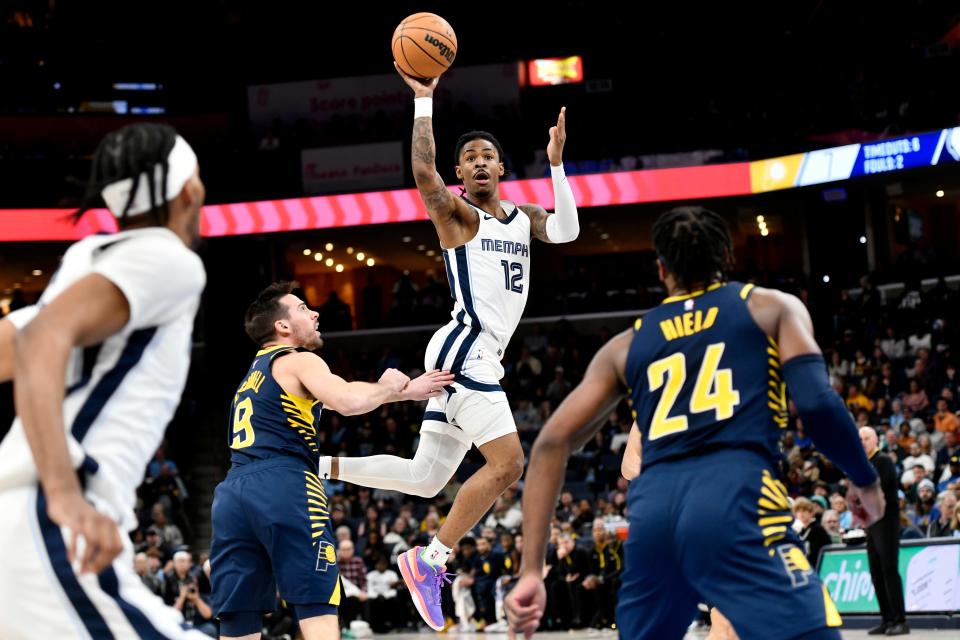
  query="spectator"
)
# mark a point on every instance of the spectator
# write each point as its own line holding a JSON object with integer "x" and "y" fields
{"x": 169, "y": 532}
{"x": 948, "y": 449}
{"x": 893, "y": 346}
{"x": 354, "y": 575}
{"x": 916, "y": 399}
{"x": 603, "y": 582}
{"x": 857, "y": 401}
{"x": 182, "y": 592}
{"x": 844, "y": 517}
{"x": 915, "y": 459}
{"x": 487, "y": 567}
{"x": 953, "y": 474}
{"x": 573, "y": 564}
{"x": 945, "y": 420}
{"x": 942, "y": 525}
{"x": 397, "y": 539}
{"x": 462, "y": 591}
{"x": 830, "y": 521}
{"x": 506, "y": 515}
{"x": 558, "y": 388}
{"x": 923, "y": 507}
{"x": 153, "y": 540}
{"x": 813, "y": 535}
{"x": 382, "y": 584}
{"x": 141, "y": 565}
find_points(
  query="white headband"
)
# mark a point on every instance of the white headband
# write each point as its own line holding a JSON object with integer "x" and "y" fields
{"x": 181, "y": 164}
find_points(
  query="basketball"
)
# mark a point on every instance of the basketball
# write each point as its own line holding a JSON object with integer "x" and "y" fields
{"x": 424, "y": 45}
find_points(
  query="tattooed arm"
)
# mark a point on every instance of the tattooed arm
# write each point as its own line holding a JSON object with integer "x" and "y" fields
{"x": 538, "y": 220}
{"x": 447, "y": 212}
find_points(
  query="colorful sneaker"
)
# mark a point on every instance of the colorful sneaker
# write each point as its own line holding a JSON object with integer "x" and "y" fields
{"x": 424, "y": 582}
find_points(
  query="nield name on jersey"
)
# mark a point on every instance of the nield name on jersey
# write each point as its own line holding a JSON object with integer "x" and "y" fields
{"x": 688, "y": 323}
{"x": 505, "y": 246}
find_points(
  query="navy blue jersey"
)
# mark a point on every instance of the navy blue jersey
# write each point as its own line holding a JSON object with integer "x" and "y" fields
{"x": 267, "y": 422}
{"x": 702, "y": 375}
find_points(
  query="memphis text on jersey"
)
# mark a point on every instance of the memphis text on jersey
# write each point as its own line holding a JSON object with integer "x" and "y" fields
{"x": 505, "y": 246}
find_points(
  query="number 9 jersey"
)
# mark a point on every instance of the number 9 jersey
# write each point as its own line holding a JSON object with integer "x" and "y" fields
{"x": 268, "y": 422}
{"x": 704, "y": 376}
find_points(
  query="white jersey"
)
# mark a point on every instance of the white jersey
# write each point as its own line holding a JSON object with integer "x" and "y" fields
{"x": 120, "y": 394}
{"x": 490, "y": 276}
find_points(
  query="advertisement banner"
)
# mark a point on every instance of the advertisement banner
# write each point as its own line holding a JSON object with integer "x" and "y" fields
{"x": 361, "y": 167}
{"x": 320, "y": 101}
{"x": 930, "y": 574}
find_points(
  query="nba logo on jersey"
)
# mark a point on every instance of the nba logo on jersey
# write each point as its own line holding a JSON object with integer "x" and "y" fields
{"x": 796, "y": 564}
{"x": 688, "y": 305}
{"x": 326, "y": 556}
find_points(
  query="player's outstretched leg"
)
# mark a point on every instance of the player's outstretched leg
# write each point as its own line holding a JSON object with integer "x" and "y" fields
{"x": 436, "y": 460}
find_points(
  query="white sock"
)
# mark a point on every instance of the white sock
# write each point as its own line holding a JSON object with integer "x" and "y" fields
{"x": 326, "y": 465}
{"x": 436, "y": 553}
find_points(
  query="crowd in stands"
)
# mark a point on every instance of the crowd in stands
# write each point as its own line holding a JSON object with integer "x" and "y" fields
{"x": 165, "y": 563}
{"x": 893, "y": 362}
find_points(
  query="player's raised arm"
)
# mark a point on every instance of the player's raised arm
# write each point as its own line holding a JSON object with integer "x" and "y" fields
{"x": 353, "y": 398}
{"x": 825, "y": 417}
{"x": 563, "y": 225}
{"x": 572, "y": 424}
{"x": 445, "y": 211}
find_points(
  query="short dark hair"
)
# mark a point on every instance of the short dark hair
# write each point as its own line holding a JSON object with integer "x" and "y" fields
{"x": 481, "y": 135}
{"x": 265, "y": 311}
{"x": 130, "y": 152}
{"x": 694, "y": 245}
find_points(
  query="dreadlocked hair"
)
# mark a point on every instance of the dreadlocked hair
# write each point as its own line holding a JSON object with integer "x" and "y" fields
{"x": 479, "y": 135}
{"x": 131, "y": 152}
{"x": 694, "y": 244}
{"x": 265, "y": 311}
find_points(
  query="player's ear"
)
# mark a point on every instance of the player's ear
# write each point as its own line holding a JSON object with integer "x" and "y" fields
{"x": 456, "y": 169}
{"x": 500, "y": 169}
{"x": 661, "y": 270}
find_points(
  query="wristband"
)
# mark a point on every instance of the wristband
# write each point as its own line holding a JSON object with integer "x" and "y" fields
{"x": 422, "y": 108}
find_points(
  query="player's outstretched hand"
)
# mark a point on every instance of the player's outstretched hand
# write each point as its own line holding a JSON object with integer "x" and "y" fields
{"x": 394, "y": 379}
{"x": 422, "y": 88}
{"x": 429, "y": 385}
{"x": 558, "y": 136}
{"x": 866, "y": 503}
{"x": 101, "y": 535}
{"x": 525, "y": 605}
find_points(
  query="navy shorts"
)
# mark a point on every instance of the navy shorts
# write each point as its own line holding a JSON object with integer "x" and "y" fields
{"x": 716, "y": 528}
{"x": 271, "y": 527}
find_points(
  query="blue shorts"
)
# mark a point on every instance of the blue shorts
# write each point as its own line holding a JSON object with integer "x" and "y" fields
{"x": 271, "y": 527}
{"x": 716, "y": 529}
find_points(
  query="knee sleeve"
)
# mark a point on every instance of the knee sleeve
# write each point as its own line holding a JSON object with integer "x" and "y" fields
{"x": 435, "y": 462}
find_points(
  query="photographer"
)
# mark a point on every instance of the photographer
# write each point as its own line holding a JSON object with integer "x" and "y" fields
{"x": 181, "y": 591}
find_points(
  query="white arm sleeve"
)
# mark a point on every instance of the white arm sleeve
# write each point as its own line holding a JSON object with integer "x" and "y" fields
{"x": 563, "y": 225}
{"x": 159, "y": 276}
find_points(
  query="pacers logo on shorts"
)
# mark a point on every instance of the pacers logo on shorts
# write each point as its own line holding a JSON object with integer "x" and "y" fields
{"x": 795, "y": 562}
{"x": 326, "y": 556}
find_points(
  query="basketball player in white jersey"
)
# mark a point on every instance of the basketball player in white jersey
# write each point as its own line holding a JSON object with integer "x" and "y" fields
{"x": 486, "y": 248}
{"x": 98, "y": 366}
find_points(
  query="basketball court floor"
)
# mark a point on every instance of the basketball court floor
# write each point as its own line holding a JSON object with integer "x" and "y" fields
{"x": 853, "y": 634}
